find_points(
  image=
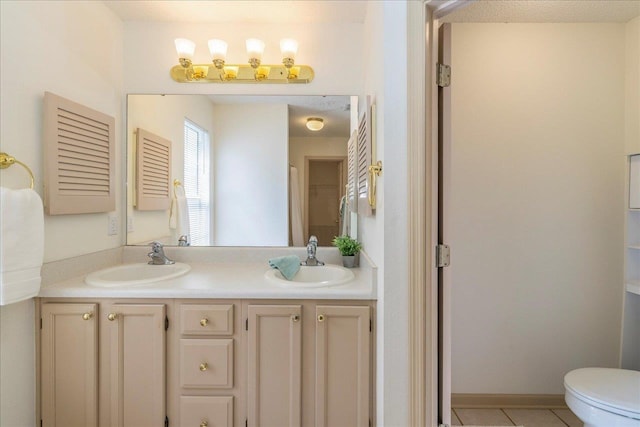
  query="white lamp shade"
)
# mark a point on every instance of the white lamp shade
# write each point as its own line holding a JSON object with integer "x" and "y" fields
{"x": 255, "y": 48}
{"x": 218, "y": 49}
{"x": 289, "y": 48}
{"x": 315, "y": 123}
{"x": 185, "y": 48}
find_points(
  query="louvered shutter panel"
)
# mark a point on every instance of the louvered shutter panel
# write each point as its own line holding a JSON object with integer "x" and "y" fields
{"x": 352, "y": 172}
{"x": 364, "y": 160}
{"x": 153, "y": 172}
{"x": 79, "y": 158}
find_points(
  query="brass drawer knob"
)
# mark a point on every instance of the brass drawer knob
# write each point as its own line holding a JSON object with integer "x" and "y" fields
{"x": 87, "y": 316}
{"x": 204, "y": 366}
{"x": 204, "y": 423}
{"x": 112, "y": 316}
{"x": 320, "y": 317}
{"x": 204, "y": 322}
{"x": 295, "y": 317}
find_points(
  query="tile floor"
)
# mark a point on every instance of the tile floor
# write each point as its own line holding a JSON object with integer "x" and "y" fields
{"x": 515, "y": 417}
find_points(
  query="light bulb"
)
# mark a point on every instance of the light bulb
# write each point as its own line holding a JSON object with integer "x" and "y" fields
{"x": 255, "y": 49}
{"x": 218, "y": 50}
{"x": 185, "y": 48}
{"x": 289, "y": 49}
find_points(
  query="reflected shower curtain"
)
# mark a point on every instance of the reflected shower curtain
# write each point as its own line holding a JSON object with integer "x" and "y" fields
{"x": 295, "y": 209}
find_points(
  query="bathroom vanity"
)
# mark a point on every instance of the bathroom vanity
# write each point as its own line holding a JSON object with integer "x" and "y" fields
{"x": 219, "y": 346}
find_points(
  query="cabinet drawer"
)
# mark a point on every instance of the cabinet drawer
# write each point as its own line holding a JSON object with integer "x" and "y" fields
{"x": 201, "y": 319}
{"x": 206, "y": 363}
{"x": 206, "y": 411}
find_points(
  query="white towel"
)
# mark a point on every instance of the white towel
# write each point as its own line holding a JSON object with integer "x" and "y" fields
{"x": 179, "y": 216}
{"x": 21, "y": 244}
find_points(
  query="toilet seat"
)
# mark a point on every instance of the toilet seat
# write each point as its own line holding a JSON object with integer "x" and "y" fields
{"x": 612, "y": 390}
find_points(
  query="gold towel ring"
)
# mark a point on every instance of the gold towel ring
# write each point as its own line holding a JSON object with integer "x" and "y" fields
{"x": 7, "y": 160}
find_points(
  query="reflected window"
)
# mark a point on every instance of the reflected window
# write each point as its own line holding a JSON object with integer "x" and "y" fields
{"x": 197, "y": 178}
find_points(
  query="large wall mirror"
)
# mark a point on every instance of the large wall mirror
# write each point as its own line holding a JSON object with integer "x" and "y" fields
{"x": 242, "y": 170}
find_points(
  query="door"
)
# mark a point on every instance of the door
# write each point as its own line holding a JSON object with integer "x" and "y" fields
{"x": 325, "y": 188}
{"x": 137, "y": 364}
{"x": 342, "y": 366}
{"x": 275, "y": 358}
{"x": 444, "y": 273}
{"x": 69, "y": 365}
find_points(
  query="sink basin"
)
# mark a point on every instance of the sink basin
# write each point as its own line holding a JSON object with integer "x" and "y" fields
{"x": 312, "y": 277}
{"x": 135, "y": 274}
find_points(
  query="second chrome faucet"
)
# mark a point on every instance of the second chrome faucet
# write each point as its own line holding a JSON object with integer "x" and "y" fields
{"x": 312, "y": 247}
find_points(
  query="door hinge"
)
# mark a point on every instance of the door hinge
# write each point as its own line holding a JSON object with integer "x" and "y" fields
{"x": 443, "y": 75}
{"x": 246, "y": 422}
{"x": 246, "y": 324}
{"x": 443, "y": 256}
{"x": 166, "y": 421}
{"x": 41, "y": 323}
{"x": 166, "y": 323}
{"x": 370, "y": 325}
{"x": 40, "y": 423}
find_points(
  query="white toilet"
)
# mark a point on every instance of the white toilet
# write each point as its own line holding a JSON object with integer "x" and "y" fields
{"x": 604, "y": 397}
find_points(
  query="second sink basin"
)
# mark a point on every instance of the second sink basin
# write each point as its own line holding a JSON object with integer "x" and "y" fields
{"x": 135, "y": 274}
{"x": 312, "y": 277}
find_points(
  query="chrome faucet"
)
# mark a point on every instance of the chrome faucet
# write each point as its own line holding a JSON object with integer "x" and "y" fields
{"x": 183, "y": 240}
{"x": 312, "y": 247}
{"x": 157, "y": 255}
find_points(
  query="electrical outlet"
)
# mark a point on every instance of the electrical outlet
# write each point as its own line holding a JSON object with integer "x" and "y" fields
{"x": 129, "y": 224}
{"x": 112, "y": 225}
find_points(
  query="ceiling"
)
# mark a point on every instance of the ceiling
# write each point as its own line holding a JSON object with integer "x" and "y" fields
{"x": 334, "y": 110}
{"x": 230, "y": 11}
{"x": 544, "y": 11}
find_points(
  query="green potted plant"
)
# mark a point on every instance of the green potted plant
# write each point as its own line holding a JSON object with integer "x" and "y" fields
{"x": 349, "y": 248}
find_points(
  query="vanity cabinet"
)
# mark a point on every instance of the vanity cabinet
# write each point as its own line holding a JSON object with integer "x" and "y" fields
{"x": 206, "y": 369}
{"x": 102, "y": 355}
{"x": 137, "y": 364}
{"x": 69, "y": 365}
{"x": 274, "y": 365}
{"x": 342, "y": 366}
{"x": 309, "y": 364}
{"x": 197, "y": 362}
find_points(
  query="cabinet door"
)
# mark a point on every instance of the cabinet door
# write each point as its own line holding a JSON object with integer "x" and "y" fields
{"x": 274, "y": 353}
{"x": 342, "y": 366}
{"x": 69, "y": 365}
{"x": 137, "y": 364}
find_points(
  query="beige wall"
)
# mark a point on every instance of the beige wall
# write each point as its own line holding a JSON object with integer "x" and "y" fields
{"x": 385, "y": 235}
{"x": 299, "y": 148}
{"x": 537, "y": 203}
{"x": 632, "y": 87}
{"x": 251, "y": 202}
{"x": 75, "y": 50}
{"x": 163, "y": 116}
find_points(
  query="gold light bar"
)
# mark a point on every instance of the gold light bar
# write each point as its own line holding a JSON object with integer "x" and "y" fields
{"x": 234, "y": 73}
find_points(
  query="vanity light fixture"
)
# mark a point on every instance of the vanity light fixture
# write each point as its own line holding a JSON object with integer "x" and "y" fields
{"x": 253, "y": 72}
{"x": 315, "y": 123}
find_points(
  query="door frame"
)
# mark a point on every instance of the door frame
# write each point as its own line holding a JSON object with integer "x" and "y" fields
{"x": 423, "y": 21}
{"x": 343, "y": 178}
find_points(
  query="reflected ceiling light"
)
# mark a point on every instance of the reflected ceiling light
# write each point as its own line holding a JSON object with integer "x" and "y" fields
{"x": 315, "y": 123}
{"x": 255, "y": 71}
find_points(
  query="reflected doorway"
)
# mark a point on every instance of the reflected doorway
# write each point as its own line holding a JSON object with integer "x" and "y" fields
{"x": 325, "y": 186}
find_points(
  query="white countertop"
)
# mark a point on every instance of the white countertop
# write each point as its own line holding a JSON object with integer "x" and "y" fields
{"x": 219, "y": 280}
